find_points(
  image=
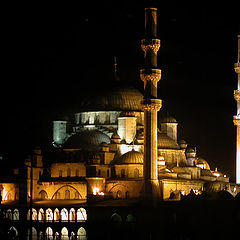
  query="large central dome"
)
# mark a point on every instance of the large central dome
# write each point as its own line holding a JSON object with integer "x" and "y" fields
{"x": 116, "y": 98}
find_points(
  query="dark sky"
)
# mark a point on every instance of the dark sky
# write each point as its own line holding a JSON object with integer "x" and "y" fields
{"x": 54, "y": 54}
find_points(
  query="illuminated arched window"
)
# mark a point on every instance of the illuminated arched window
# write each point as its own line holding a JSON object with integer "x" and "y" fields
{"x": 64, "y": 234}
{"x": 81, "y": 215}
{"x": 67, "y": 194}
{"x": 9, "y": 214}
{"x": 49, "y": 233}
{"x": 15, "y": 215}
{"x": 34, "y": 214}
{"x": 41, "y": 215}
{"x": 34, "y": 234}
{"x": 64, "y": 215}
{"x": 72, "y": 215}
{"x": 81, "y": 234}
{"x": 49, "y": 215}
{"x": 56, "y": 215}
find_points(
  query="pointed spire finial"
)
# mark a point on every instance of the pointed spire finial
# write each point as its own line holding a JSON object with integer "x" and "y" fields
{"x": 116, "y": 77}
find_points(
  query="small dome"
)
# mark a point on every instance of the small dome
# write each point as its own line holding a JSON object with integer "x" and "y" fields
{"x": 165, "y": 142}
{"x": 169, "y": 120}
{"x": 87, "y": 138}
{"x": 115, "y": 136}
{"x": 190, "y": 150}
{"x": 131, "y": 157}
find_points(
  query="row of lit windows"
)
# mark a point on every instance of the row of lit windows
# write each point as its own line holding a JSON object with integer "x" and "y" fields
{"x": 50, "y": 234}
{"x": 64, "y": 215}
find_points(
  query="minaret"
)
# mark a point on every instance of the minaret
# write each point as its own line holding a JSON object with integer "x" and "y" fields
{"x": 150, "y": 75}
{"x": 236, "y": 118}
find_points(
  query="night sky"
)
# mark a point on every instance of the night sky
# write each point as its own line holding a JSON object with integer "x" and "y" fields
{"x": 54, "y": 55}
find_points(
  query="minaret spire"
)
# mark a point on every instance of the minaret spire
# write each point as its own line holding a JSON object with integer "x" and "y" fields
{"x": 150, "y": 75}
{"x": 236, "y": 118}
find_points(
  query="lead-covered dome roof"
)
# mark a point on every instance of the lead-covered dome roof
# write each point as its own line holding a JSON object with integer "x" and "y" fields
{"x": 115, "y": 98}
{"x": 86, "y": 138}
{"x": 131, "y": 157}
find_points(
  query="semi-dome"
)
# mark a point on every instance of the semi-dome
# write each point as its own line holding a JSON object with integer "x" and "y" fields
{"x": 131, "y": 157}
{"x": 165, "y": 142}
{"x": 117, "y": 98}
{"x": 202, "y": 163}
{"x": 87, "y": 138}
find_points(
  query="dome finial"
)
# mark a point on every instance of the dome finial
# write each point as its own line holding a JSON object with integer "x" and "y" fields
{"x": 116, "y": 77}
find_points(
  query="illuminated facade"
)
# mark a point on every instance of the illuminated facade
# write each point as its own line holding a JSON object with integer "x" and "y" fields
{"x": 236, "y": 118}
{"x": 114, "y": 150}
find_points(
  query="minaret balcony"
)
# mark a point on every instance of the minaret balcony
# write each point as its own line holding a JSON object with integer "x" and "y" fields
{"x": 237, "y": 67}
{"x": 236, "y": 120}
{"x": 237, "y": 95}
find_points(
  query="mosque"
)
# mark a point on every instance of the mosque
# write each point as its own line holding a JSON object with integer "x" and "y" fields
{"x": 113, "y": 151}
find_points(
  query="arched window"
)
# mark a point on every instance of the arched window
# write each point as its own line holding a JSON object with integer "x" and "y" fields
{"x": 72, "y": 236}
{"x": 77, "y": 195}
{"x": 49, "y": 233}
{"x": 43, "y": 194}
{"x": 123, "y": 173}
{"x": 127, "y": 195}
{"x": 12, "y": 233}
{"x": 72, "y": 215}
{"x": 15, "y": 215}
{"x": 81, "y": 234}
{"x": 41, "y": 215}
{"x": 34, "y": 234}
{"x": 119, "y": 194}
{"x": 9, "y": 214}
{"x": 64, "y": 234}
{"x": 64, "y": 215}
{"x": 116, "y": 220}
{"x": 136, "y": 173}
{"x": 41, "y": 235}
{"x": 57, "y": 195}
{"x": 57, "y": 236}
{"x": 49, "y": 215}
{"x": 56, "y": 215}
{"x": 67, "y": 194}
{"x": 81, "y": 215}
{"x": 69, "y": 172}
{"x": 34, "y": 214}
{"x": 16, "y": 196}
